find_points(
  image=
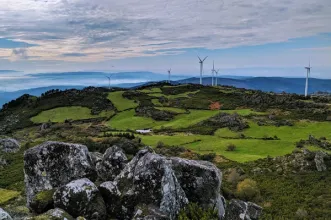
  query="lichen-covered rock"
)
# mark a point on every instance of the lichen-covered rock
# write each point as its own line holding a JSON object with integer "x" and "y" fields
{"x": 319, "y": 160}
{"x": 201, "y": 181}
{"x": 53, "y": 214}
{"x": 112, "y": 163}
{"x": 43, "y": 201}
{"x": 81, "y": 198}
{"x": 111, "y": 195}
{"x": 9, "y": 145}
{"x": 96, "y": 158}
{"x": 3, "y": 162}
{"x": 4, "y": 215}
{"x": 148, "y": 188}
{"x": 240, "y": 210}
{"x": 54, "y": 164}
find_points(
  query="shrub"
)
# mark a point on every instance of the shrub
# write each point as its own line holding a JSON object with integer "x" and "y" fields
{"x": 233, "y": 177}
{"x": 208, "y": 157}
{"x": 194, "y": 212}
{"x": 300, "y": 144}
{"x": 160, "y": 144}
{"x": 248, "y": 190}
{"x": 231, "y": 147}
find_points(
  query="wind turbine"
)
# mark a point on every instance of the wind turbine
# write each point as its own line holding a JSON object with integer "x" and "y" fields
{"x": 307, "y": 78}
{"x": 212, "y": 75}
{"x": 216, "y": 71}
{"x": 109, "y": 79}
{"x": 169, "y": 73}
{"x": 201, "y": 68}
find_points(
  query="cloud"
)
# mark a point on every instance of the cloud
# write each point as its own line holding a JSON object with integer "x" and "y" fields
{"x": 19, "y": 54}
{"x": 73, "y": 55}
{"x": 112, "y": 29}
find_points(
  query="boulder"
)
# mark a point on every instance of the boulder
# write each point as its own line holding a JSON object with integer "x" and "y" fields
{"x": 201, "y": 182}
{"x": 319, "y": 160}
{"x": 111, "y": 195}
{"x": 9, "y": 145}
{"x": 81, "y": 198}
{"x": 42, "y": 201}
{"x": 148, "y": 188}
{"x": 4, "y": 215}
{"x": 240, "y": 210}
{"x": 54, "y": 164}
{"x": 3, "y": 162}
{"x": 112, "y": 163}
{"x": 96, "y": 158}
{"x": 54, "y": 214}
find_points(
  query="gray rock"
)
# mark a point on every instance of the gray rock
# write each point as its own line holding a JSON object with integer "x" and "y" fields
{"x": 240, "y": 210}
{"x": 54, "y": 164}
{"x": 4, "y": 215}
{"x": 111, "y": 195}
{"x": 45, "y": 126}
{"x": 9, "y": 145}
{"x": 201, "y": 182}
{"x": 147, "y": 183}
{"x": 3, "y": 162}
{"x": 113, "y": 162}
{"x": 80, "y": 198}
{"x": 96, "y": 158}
{"x": 319, "y": 161}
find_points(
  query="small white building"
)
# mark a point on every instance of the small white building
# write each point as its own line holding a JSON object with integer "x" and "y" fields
{"x": 144, "y": 131}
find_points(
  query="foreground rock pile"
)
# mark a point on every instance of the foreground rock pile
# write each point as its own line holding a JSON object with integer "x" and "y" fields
{"x": 65, "y": 181}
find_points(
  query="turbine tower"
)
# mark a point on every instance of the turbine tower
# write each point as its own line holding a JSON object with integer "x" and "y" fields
{"x": 169, "y": 73}
{"x": 216, "y": 72}
{"x": 109, "y": 79}
{"x": 307, "y": 78}
{"x": 212, "y": 75}
{"x": 201, "y": 68}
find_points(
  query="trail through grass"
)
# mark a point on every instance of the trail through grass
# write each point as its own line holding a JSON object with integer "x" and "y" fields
{"x": 120, "y": 102}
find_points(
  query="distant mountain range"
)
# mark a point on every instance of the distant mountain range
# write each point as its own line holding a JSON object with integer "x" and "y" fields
{"x": 274, "y": 84}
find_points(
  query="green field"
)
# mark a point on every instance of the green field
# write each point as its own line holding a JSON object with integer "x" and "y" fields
{"x": 63, "y": 113}
{"x": 247, "y": 149}
{"x": 127, "y": 120}
{"x": 120, "y": 102}
{"x": 171, "y": 109}
{"x": 152, "y": 90}
{"x": 6, "y": 195}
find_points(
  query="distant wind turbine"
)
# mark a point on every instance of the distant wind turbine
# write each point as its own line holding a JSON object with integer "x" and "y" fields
{"x": 169, "y": 74}
{"x": 216, "y": 71}
{"x": 201, "y": 68}
{"x": 212, "y": 75}
{"x": 307, "y": 79}
{"x": 109, "y": 77}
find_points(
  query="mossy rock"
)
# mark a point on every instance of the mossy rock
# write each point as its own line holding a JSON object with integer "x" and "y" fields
{"x": 43, "y": 201}
{"x": 53, "y": 214}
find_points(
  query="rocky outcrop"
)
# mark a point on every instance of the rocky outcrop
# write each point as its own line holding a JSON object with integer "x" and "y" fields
{"x": 54, "y": 164}
{"x": 9, "y": 145}
{"x": 240, "y": 210}
{"x": 4, "y": 215}
{"x": 151, "y": 112}
{"x": 232, "y": 121}
{"x": 201, "y": 182}
{"x": 303, "y": 160}
{"x": 112, "y": 163}
{"x": 147, "y": 187}
{"x": 81, "y": 198}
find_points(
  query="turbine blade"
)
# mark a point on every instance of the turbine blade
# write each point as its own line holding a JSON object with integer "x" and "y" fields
{"x": 199, "y": 58}
{"x": 205, "y": 58}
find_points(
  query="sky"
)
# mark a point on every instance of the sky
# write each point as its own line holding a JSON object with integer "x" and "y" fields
{"x": 256, "y": 37}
